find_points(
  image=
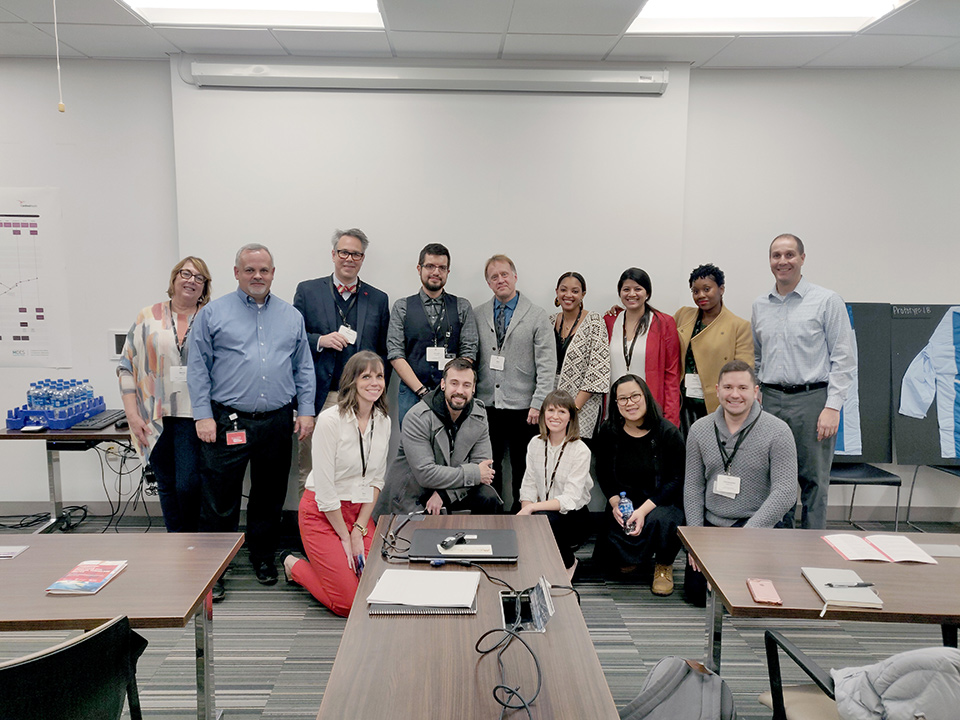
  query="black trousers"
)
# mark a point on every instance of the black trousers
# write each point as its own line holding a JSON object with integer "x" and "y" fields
{"x": 570, "y": 530}
{"x": 509, "y": 431}
{"x": 658, "y": 541}
{"x": 268, "y": 451}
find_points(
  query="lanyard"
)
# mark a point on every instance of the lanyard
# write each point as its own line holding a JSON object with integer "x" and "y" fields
{"x": 728, "y": 457}
{"x": 176, "y": 335}
{"x": 363, "y": 460}
{"x": 565, "y": 341}
{"x": 350, "y": 303}
{"x": 628, "y": 354}
{"x": 435, "y": 326}
{"x": 553, "y": 475}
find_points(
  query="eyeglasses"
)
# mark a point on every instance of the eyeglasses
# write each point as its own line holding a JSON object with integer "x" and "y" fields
{"x": 430, "y": 267}
{"x": 186, "y": 275}
{"x": 635, "y": 399}
{"x": 345, "y": 254}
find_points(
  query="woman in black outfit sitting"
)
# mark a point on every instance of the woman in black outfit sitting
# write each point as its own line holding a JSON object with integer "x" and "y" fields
{"x": 640, "y": 453}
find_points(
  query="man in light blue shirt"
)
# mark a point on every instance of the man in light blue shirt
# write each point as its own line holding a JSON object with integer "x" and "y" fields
{"x": 805, "y": 358}
{"x": 250, "y": 367}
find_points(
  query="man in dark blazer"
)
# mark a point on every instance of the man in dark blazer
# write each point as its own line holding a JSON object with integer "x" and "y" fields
{"x": 343, "y": 315}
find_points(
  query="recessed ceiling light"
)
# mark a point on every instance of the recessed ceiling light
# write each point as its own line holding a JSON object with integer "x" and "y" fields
{"x": 260, "y": 13}
{"x": 759, "y": 16}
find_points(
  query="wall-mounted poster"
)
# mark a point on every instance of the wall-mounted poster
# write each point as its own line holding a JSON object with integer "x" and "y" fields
{"x": 925, "y": 356}
{"x": 865, "y": 430}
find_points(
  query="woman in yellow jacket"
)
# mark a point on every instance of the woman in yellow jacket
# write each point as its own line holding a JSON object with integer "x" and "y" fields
{"x": 710, "y": 335}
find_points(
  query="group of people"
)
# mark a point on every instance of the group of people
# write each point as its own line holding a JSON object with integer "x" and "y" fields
{"x": 211, "y": 387}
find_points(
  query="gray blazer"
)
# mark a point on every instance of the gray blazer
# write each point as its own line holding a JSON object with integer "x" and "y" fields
{"x": 530, "y": 358}
{"x": 424, "y": 461}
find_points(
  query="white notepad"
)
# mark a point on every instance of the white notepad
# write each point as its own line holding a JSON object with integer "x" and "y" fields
{"x": 434, "y": 588}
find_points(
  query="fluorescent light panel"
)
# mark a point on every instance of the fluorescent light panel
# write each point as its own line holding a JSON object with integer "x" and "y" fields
{"x": 260, "y": 13}
{"x": 759, "y": 16}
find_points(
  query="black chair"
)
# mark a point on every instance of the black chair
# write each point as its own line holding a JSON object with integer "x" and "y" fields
{"x": 811, "y": 701}
{"x": 85, "y": 678}
{"x": 857, "y": 474}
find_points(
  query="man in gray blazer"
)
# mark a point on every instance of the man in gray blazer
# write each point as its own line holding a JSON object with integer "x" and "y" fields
{"x": 444, "y": 456}
{"x": 517, "y": 365}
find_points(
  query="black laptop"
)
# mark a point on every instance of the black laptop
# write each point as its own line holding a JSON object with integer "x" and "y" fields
{"x": 492, "y": 546}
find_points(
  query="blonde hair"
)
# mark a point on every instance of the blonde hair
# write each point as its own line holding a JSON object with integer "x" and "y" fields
{"x": 204, "y": 270}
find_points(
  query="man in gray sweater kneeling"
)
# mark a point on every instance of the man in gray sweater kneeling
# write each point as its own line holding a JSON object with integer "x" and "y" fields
{"x": 741, "y": 465}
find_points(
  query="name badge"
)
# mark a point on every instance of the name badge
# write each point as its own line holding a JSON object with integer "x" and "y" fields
{"x": 437, "y": 354}
{"x": 363, "y": 494}
{"x": 349, "y": 333}
{"x": 727, "y": 485}
{"x": 237, "y": 437}
{"x": 691, "y": 382}
{"x": 178, "y": 373}
{"x": 497, "y": 362}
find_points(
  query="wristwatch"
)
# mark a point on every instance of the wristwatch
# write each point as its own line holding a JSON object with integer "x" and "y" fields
{"x": 361, "y": 528}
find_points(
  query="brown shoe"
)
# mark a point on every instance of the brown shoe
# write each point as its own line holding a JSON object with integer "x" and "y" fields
{"x": 662, "y": 580}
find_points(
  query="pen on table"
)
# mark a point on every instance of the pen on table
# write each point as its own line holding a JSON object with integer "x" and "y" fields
{"x": 849, "y": 584}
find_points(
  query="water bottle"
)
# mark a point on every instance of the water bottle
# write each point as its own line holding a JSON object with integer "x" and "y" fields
{"x": 87, "y": 390}
{"x": 32, "y": 397}
{"x": 626, "y": 510}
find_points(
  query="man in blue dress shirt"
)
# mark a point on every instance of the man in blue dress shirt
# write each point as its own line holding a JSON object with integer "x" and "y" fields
{"x": 250, "y": 368}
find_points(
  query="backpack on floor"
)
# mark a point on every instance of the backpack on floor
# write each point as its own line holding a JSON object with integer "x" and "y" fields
{"x": 678, "y": 689}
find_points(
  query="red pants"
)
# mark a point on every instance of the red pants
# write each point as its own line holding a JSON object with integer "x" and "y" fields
{"x": 325, "y": 573}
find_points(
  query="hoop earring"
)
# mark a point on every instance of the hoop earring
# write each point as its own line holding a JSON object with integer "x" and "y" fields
{"x": 556, "y": 302}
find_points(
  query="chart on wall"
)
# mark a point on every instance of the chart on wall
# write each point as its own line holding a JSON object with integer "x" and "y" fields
{"x": 34, "y": 328}
{"x": 865, "y": 429}
{"x": 925, "y": 357}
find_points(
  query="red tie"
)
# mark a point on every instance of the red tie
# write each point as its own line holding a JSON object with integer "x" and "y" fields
{"x": 346, "y": 288}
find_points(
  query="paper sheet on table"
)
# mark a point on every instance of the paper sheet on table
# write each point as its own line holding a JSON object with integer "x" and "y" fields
{"x": 436, "y": 588}
{"x": 941, "y": 550}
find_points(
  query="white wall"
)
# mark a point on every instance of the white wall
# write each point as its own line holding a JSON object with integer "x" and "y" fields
{"x": 862, "y": 165}
{"x": 111, "y": 155}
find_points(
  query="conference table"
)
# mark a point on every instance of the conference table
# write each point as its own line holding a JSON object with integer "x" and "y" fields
{"x": 404, "y": 666}
{"x": 56, "y": 442}
{"x": 167, "y": 582}
{"x": 911, "y": 592}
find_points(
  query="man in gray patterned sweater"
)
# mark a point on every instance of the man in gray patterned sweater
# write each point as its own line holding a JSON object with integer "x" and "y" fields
{"x": 741, "y": 465}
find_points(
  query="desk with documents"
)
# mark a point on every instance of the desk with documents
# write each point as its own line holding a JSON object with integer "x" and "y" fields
{"x": 166, "y": 583}
{"x": 396, "y": 667}
{"x": 911, "y": 592}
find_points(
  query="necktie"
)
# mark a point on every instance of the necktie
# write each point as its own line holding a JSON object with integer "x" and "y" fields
{"x": 501, "y": 322}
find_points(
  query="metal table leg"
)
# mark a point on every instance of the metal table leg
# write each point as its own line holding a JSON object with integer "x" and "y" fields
{"x": 714, "y": 631}
{"x": 206, "y": 695}
{"x": 53, "y": 485}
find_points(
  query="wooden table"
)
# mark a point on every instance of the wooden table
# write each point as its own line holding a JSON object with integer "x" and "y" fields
{"x": 911, "y": 592}
{"x": 396, "y": 667}
{"x": 56, "y": 442}
{"x": 166, "y": 582}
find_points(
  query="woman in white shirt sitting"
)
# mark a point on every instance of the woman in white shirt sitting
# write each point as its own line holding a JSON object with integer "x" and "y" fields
{"x": 350, "y": 445}
{"x": 557, "y": 481}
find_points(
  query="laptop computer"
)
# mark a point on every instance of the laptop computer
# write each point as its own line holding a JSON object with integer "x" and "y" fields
{"x": 492, "y": 546}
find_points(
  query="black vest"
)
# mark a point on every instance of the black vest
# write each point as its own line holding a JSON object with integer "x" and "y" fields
{"x": 418, "y": 336}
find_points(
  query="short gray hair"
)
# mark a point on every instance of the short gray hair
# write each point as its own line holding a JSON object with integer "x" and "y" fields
{"x": 352, "y": 232}
{"x": 252, "y": 247}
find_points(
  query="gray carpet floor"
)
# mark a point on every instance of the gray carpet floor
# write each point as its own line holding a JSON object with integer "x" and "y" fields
{"x": 274, "y": 646}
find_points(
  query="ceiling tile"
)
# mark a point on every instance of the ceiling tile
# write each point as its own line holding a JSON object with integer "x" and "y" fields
{"x": 454, "y": 45}
{"x": 557, "y": 47}
{"x": 773, "y": 52}
{"x": 881, "y": 51}
{"x": 573, "y": 17}
{"x": 467, "y": 16}
{"x": 105, "y": 12}
{"x": 925, "y": 17}
{"x": 948, "y": 58}
{"x": 236, "y": 41}
{"x": 696, "y": 49}
{"x": 335, "y": 43}
{"x": 24, "y": 40}
{"x": 114, "y": 41}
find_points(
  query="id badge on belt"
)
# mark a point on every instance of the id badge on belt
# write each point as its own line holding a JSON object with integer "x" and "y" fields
{"x": 236, "y": 436}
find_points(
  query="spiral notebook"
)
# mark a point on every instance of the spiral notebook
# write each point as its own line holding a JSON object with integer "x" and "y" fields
{"x": 425, "y": 592}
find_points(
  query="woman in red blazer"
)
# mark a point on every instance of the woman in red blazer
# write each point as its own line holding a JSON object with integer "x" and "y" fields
{"x": 644, "y": 341}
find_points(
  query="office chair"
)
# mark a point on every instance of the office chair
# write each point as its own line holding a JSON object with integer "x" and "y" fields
{"x": 85, "y": 678}
{"x": 811, "y": 701}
